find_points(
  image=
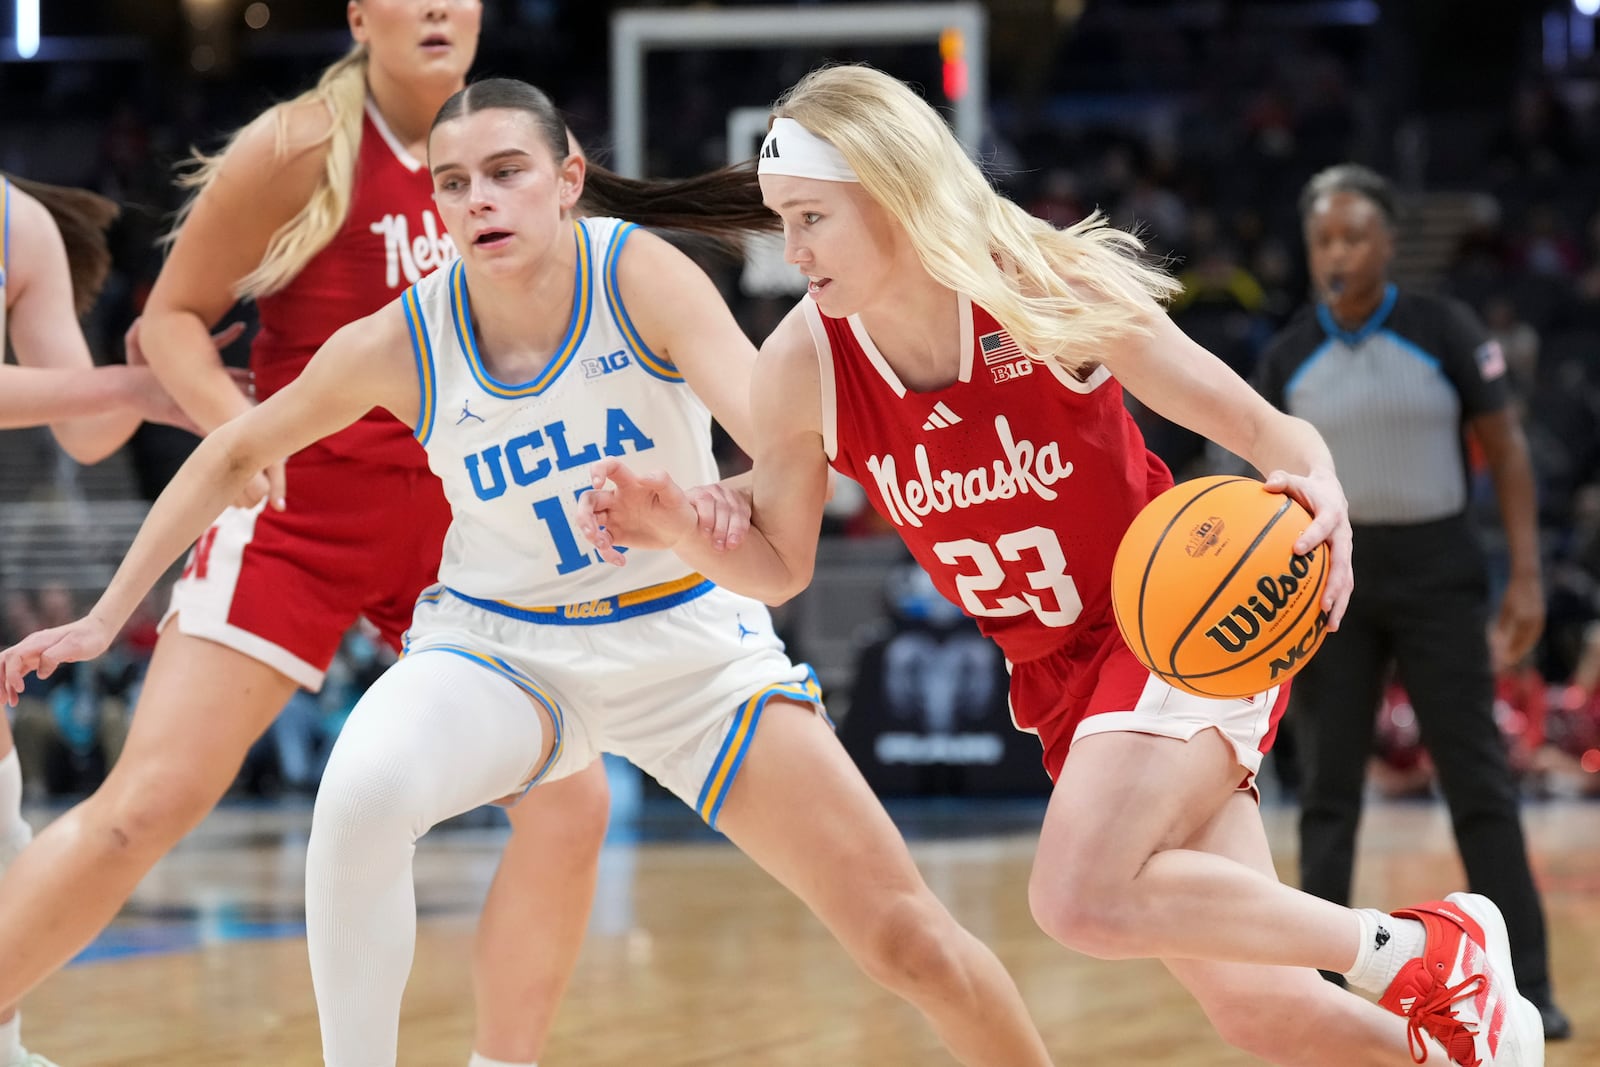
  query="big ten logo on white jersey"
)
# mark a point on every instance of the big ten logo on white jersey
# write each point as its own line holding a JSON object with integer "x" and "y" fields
{"x": 529, "y": 458}
{"x": 609, "y": 363}
{"x": 408, "y": 259}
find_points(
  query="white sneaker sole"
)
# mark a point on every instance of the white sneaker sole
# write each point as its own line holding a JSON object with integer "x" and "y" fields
{"x": 1523, "y": 1035}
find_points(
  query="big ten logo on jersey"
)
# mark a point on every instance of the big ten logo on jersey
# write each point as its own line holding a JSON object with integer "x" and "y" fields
{"x": 408, "y": 257}
{"x": 609, "y": 363}
{"x": 531, "y": 457}
{"x": 1004, "y": 358}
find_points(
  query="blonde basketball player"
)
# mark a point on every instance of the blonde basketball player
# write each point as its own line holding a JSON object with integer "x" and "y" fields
{"x": 53, "y": 260}
{"x": 549, "y": 345}
{"x": 928, "y": 291}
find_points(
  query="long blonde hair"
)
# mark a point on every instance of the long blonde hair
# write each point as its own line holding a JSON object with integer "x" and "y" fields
{"x": 342, "y": 89}
{"x": 1060, "y": 293}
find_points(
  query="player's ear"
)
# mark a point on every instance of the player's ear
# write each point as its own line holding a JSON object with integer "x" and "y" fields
{"x": 357, "y": 19}
{"x": 571, "y": 174}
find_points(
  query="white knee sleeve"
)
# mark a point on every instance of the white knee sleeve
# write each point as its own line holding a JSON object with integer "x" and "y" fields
{"x": 15, "y": 833}
{"x": 435, "y": 736}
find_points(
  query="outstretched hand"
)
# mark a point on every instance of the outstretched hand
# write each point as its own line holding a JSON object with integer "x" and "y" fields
{"x": 44, "y": 651}
{"x": 1321, "y": 494}
{"x": 635, "y": 511}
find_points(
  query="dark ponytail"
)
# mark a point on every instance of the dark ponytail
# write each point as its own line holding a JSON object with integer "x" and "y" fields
{"x": 82, "y": 218}
{"x": 723, "y": 204}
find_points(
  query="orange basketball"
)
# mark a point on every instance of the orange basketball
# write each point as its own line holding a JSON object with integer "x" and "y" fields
{"x": 1208, "y": 590}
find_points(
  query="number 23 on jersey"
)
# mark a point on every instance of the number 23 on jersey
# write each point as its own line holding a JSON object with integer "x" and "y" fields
{"x": 1051, "y": 594}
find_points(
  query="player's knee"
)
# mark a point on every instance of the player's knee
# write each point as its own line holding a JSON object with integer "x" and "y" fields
{"x": 367, "y": 797}
{"x": 148, "y": 810}
{"x": 1084, "y": 914}
{"x": 1249, "y": 1027}
{"x": 911, "y": 943}
{"x": 579, "y": 834}
{"x": 1260, "y": 1021}
{"x": 13, "y": 842}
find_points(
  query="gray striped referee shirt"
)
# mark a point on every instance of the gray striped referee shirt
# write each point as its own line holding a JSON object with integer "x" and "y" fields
{"x": 1391, "y": 398}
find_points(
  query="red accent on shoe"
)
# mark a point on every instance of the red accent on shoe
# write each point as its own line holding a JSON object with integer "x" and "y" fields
{"x": 1423, "y": 992}
{"x": 1429, "y": 1007}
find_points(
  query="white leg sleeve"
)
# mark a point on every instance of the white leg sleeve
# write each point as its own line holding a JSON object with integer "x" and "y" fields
{"x": 15, "y": 833}
{"x": 436, "y": 735}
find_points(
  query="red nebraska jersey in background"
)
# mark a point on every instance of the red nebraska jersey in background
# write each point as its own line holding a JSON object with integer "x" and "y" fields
{"x": 390, "y": 239}
{"x": 1012, "y": 487}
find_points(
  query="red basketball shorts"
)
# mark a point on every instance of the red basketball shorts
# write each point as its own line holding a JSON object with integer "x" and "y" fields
{"x": 1097, "y": 686}
{"x": 357, "y": 539}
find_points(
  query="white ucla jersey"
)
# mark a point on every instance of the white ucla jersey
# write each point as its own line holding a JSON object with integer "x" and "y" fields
{"x": 514, "y": 458}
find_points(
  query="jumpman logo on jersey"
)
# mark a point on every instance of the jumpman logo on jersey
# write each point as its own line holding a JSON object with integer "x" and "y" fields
{"x": 743, "y": 629}
{"x": 466, "y": 413}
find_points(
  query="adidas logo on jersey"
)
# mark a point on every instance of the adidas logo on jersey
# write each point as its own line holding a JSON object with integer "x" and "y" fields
{"x": 941, "y": 417}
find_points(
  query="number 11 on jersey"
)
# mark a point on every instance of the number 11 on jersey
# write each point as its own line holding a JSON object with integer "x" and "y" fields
{"x": 570, "y": 557}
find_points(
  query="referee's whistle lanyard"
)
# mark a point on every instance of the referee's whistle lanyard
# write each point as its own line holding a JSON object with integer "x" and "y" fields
{"x": 1374, "y": 323}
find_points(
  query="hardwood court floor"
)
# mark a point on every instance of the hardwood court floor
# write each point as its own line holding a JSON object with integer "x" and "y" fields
{"x": 696, "y": 958}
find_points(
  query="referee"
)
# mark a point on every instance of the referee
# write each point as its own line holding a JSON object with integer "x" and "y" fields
{"x": 1395, "y": 381}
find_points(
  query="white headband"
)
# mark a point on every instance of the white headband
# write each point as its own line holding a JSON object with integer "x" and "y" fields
{"x": 792, "y": 149}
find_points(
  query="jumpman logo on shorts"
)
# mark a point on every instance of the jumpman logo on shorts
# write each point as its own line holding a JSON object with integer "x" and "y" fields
{"x": 743, "y": 629}
{"x": 466, "y": 414}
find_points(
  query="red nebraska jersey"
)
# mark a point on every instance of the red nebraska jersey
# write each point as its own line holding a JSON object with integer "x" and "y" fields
{"x": 1012, "y": 487}
{"x": 389, "y": 240}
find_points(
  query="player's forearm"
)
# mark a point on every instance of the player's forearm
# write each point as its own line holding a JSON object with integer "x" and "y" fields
{"x": 1291, "y": 445}
{"x": 91, "y": 411}
{"x": 754, "y": 568}
{"x": 203, "y": 487}
{"x": 90, "y": 440}
{"x": 179, "y": 348}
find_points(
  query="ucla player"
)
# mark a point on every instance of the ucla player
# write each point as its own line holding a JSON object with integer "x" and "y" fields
{"x": 321, "y": 210}
{"x": 900, "y": 367}
{"x": 566, "y": 342}
{"x": 53, "y": 260}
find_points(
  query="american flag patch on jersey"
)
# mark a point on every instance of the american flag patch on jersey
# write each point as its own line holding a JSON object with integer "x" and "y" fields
{"x": 998, "y": 347}
{"x": 1491, "y": 360}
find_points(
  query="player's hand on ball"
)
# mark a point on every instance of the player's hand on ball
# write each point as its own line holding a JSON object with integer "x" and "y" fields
{"x": 1321, "y": 494}
{"x": 634, "y": 511}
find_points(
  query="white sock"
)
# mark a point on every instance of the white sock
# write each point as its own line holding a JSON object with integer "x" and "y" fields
{"x": 435, "y": 736}
{"x": 1387, "y": 944}
{"x": 484, "y": 1061}
{"x": 11, "y": 1039}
